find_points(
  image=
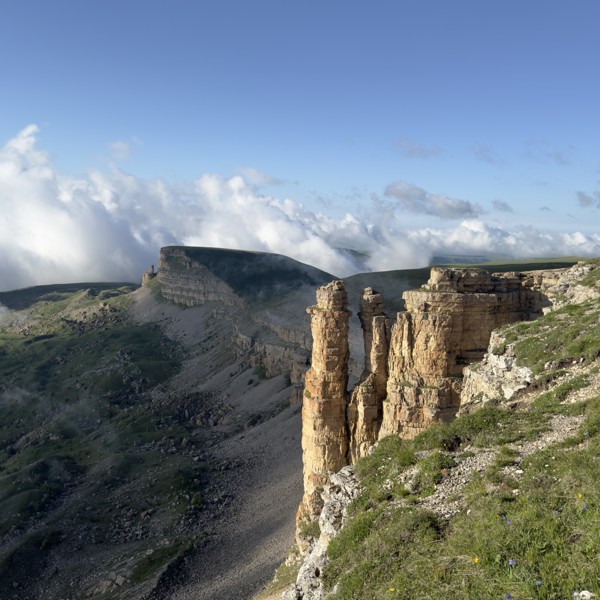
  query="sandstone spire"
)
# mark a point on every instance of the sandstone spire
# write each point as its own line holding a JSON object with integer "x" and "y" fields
{"x": 324, "y": 430}
{"x": 365, "y": 408}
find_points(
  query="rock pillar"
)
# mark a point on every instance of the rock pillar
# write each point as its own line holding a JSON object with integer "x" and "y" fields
{"x": 365, "y": 408}
{"x": 324, "y": 430}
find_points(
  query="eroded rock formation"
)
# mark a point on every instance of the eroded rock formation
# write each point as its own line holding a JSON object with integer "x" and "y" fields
{"x": 497, "y": 376}
{"x": 413, "y": 369}
{"x": 260, "y": 295}
{"x": 337, "y": 495}
{"x": 446, "y": 326}
{"x": 324, "y": 427}
{"x": 187, "y": 281}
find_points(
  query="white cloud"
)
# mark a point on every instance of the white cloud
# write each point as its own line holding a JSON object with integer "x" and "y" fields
{"x": 417, "y": 200}
{"x": 473, "y": 236}
{"x": 412, "y": 149}
{"x": 109, "y": 226}
{"x": 486, "y": 154}
{"x": 501, "y": 206}
{"x": 120, "y": 150}
{"x": 259, "y": 178}
{"x": 542, "y": 152}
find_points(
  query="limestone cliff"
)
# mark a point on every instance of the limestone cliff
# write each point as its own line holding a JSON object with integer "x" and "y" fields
{"x": 413, "y": 368}
{"x": 446, "y": 326}
{"x": 498, "y": 375}
{"x": 259, "y": 294}
{"x": 185, "y": 280}
{"x": 364, "y": 409}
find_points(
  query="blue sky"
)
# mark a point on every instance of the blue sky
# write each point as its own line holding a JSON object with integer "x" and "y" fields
{"x": 399, "y": 128}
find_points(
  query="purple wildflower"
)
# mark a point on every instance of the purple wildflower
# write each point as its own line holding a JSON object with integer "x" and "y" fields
{"x": 512, "y": 562}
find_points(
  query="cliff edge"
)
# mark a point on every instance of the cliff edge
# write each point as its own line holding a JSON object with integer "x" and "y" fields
{"x": 414, "y": 364}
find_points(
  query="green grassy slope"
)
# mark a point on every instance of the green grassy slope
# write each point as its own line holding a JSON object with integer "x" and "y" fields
{"x": 93, "y": 477}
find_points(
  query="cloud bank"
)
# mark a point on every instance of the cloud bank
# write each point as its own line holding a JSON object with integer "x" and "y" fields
{"x": 110, "y": 225}
{"x": 414, "y": 199}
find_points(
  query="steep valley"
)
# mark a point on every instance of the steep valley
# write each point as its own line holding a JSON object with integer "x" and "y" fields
{"x": 150, "y": 442}
{"x": 150, "y": 437}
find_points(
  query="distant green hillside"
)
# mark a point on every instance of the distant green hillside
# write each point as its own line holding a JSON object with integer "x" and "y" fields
{"x": 492, "y": 260}
{"x": 23, "y": 298}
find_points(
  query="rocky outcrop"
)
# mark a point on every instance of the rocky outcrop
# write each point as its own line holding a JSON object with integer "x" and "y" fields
{"x": 447, "y": 326}
{"x": 324, "y": 428}
{"x": 412, "y": 374}
{"x": 259, "y": 294}
{"x": 496, "y": 377}
{"x": 148, "y": 275}
{"x": 560, "y": 287}
{"x": 336, "y": 497}
{"x": 187, "y": 281}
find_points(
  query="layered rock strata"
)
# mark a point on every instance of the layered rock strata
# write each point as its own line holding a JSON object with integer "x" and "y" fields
{"x": 186, "y": 281}
{"x": 324, "y": 428}
{"x": 259, "y": 294}
{"x": 446, "y": 326}
{"x": 412, "y": 374}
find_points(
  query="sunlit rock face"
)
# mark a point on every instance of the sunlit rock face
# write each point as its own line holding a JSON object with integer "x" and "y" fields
{"x": 412, "y": 374}
{"x": 446, "y": 326}
{"x": 324, "y": 429}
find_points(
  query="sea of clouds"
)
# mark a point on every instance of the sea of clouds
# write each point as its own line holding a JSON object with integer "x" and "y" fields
{"x": 109, "y": 225}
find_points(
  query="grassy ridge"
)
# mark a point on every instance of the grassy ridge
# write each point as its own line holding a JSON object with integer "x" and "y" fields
{"x": 24, "y": 298}
{"x": 532, "y": 538}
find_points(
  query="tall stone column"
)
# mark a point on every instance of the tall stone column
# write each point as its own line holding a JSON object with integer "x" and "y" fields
{"x": 365, "y": 408}
{"x": 324, "y": 430}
